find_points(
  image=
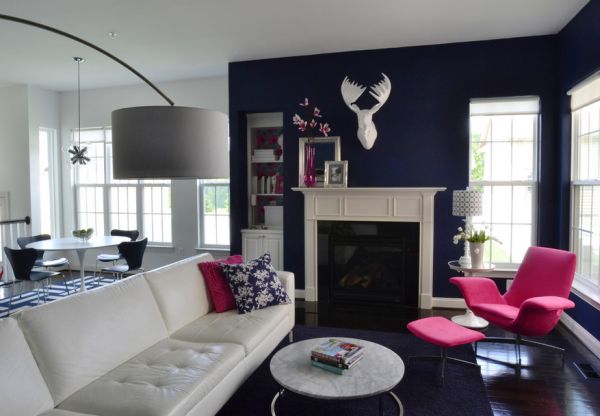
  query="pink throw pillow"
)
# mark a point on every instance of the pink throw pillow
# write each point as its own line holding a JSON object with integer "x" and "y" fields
{"x": 216, "y": 282}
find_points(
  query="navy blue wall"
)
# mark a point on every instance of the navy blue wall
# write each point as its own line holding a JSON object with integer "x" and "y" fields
{"x": 579, "y": 47}
{"x": 423, "y": 127}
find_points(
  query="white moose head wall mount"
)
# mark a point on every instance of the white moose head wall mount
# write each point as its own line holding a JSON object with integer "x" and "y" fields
{"x": 351, "y": 91}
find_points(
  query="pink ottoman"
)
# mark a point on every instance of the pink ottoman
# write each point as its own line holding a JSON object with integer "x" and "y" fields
{"x": 445, "y": 334}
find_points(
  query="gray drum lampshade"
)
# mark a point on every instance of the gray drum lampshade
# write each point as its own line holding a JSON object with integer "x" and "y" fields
{"x": 467, "y": 203}
{"x": 170, "y": 142}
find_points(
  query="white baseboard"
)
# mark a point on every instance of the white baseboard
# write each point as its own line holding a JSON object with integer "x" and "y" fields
{"x": 587, "y": 339}
{"x": 449, "y": 303}
{"x": 299, "y": 294}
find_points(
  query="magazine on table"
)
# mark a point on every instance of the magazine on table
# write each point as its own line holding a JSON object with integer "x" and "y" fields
{"x": 337, "y": 350}
{"x": 334, "y": 363}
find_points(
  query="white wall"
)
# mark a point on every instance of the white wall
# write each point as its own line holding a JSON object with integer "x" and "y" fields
{"x": 96, "y": 108}
{"x": 14, "y": 149}
{"x": 43, "y": 111}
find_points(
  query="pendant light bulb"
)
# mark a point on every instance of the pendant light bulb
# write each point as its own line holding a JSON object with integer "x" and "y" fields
{"x": 79, "y": 153}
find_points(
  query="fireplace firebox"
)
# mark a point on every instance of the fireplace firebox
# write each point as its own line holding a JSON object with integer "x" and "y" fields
{"x": 369, "y": 262}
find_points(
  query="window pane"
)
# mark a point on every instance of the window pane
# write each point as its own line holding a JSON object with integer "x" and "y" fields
{"x": 522, "y": 202}
{"x": 501, "y": 128}
{"x": 586, "y": 231}
{"x": 503, "y": 165}
{"x": 523, "y": 127}
{"x": 90, "y": 208}
{"x": 214, "y": 216}
{"x": 522, "y": 160}
{"x": 123, "y": 206}
{"x": 501, "y": 204}
{"x": 157, "y": 211}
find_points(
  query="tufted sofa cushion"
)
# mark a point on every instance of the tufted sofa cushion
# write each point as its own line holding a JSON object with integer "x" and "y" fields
{"x": 167, "y": 379}
{"x": 82, "y": 337}
{"x": 246, "y": 329}
{"x": 22, "y": 388}
{"x": 180, "y": 291}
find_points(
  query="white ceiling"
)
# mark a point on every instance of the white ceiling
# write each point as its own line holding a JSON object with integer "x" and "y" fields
{"x": 179, "y": 39}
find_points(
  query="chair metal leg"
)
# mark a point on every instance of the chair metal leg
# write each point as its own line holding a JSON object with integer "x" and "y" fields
{"x": 12, "y": 293}
{"x": 66, "y": 285}
{"x": 518, "y": 344}
{"x": 37, "y": 292}
{"x": 444, "y": 357}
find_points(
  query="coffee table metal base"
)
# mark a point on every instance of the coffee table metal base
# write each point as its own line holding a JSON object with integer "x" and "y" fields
{"x": 280, "y": 393}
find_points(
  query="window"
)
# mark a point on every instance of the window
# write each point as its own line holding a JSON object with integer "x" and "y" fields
{"x": 104, "y": 203}
{"x": 213, "y": 195}
{"x": 503, "y": 164}
{"x": 48, "y": 181}
{"x": 585, "y": 183}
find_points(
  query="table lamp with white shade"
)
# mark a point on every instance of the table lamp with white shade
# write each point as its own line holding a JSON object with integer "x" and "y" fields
{"x": 467, "y": 203}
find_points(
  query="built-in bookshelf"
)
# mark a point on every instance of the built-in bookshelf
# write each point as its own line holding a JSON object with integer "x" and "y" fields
{"x": 265, "y": 187}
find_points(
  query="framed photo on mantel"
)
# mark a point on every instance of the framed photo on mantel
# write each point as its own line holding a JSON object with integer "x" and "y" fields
{"x": 336, "y": 174}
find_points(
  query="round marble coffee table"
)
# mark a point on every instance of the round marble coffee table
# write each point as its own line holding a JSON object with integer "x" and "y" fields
{"x": 379, "y": 371}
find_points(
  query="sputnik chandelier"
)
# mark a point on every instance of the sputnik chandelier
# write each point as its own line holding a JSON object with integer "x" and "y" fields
{"x": 78, "y": 152}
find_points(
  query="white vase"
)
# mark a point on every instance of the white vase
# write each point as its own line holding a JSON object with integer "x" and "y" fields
{"x": 476, "y": 255}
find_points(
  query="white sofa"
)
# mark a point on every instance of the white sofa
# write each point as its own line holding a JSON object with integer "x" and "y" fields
{"x": 149, "y": 345}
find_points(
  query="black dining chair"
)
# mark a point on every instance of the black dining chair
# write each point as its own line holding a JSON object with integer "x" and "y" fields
{"x": 22, "y": 262}
{"x": 40, "y": 261}
{"x": 133, "y": 253}
{"x": 114, "y": 257}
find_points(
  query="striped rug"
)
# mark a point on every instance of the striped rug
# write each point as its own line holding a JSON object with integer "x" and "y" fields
{"x": 55, "y": 291}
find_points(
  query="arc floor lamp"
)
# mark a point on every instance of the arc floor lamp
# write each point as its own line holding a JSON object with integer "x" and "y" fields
{"x": 161, "y": 142}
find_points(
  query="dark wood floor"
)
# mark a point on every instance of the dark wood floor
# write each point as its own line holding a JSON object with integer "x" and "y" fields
{"x": 544, "y": 386}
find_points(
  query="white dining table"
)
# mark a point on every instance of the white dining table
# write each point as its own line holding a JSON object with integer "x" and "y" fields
{"x": 80, "y": 246}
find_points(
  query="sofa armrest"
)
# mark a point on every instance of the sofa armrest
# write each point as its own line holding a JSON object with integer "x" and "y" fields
{"x": 288, "y": 281}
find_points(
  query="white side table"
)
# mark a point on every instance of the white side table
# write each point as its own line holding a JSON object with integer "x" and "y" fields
{"x": 469, "y": 319}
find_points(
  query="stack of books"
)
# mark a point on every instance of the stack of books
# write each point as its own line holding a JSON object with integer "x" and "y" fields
{"x": 336, "y": 355}
{"x": 263, "y": 155}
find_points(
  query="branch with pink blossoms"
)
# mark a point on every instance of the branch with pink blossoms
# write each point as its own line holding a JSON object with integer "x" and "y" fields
{"x": 309, "y": 128}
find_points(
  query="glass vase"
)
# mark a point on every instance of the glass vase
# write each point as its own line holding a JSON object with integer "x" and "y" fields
{"x": 310, "y": 177}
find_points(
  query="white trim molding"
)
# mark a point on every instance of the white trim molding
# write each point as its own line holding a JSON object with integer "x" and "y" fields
{"x": 449, "y": 303}
{"x": 587, "y": 339}
{"x": 370, "y": 204}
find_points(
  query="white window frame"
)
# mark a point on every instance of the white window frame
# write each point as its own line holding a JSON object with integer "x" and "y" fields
{"x": 510, "y": 106}
{"x": 584, "y": 95}
{"x": 109, "y": 184}
{"x": 202, "y": 184}
{"x": 53, "y": 163}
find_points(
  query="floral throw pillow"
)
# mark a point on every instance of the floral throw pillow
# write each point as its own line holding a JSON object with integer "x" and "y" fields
{"x": 255, "y": 284}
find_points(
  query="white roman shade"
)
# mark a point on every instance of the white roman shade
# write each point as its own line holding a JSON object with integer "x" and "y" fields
{"x": 508, "y": 105}
{"x": 586, "y": 92}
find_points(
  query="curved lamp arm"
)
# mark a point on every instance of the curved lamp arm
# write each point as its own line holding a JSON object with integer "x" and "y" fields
{"x": 91, "y": 45}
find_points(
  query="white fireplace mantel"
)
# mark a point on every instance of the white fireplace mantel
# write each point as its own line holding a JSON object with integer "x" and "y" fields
{"x": 370, "y": 204}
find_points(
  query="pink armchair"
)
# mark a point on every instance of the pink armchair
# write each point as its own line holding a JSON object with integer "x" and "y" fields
{"x": 534, "y": 302}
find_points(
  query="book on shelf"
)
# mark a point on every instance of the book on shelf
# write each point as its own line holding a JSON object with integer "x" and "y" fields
{"x": 343, "y": 366}
{"x": 337, "y": 350}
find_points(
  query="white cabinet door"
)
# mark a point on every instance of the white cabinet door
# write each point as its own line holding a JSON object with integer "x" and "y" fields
{"x": 274, "y": 245}
{"x": 256, "y": 243}
{"x": 252, "y": 245}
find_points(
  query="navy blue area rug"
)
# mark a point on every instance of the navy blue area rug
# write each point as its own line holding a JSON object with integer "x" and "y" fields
{"x": 57, "y": 290}
{"x": 421, "y": 394}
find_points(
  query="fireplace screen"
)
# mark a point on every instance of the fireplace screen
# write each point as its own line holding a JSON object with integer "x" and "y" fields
{"x": 379, "y": 265}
